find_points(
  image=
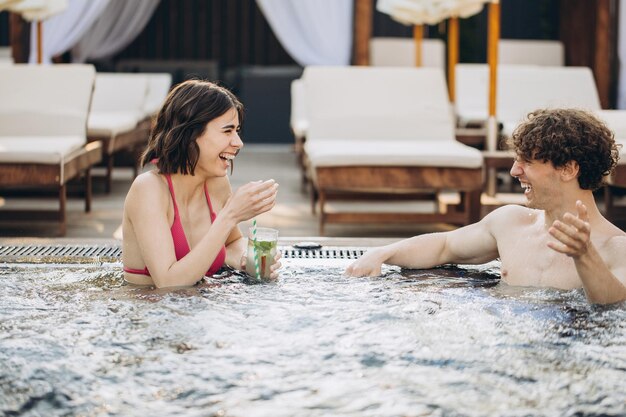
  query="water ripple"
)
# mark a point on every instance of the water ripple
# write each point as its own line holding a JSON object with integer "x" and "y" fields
{"x": 444, "y": 342}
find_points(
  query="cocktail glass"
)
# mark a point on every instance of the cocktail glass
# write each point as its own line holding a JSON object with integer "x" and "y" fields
{"x": 264, "y": 247}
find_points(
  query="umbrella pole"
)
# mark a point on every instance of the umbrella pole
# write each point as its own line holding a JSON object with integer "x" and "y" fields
{"x": 453, "y": 54}
{"x": 39, "y": 42}
{"x": 418, "y": 35}
{"x": 492, "y": 59}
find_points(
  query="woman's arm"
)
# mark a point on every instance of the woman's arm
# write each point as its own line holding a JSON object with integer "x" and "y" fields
{"x": 147, "y": 205}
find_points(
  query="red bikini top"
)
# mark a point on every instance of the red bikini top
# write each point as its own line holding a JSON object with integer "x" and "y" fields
{"x": 181, "y": 245}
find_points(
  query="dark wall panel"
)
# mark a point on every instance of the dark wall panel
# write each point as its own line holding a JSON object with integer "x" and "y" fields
{"x": 234, "y": 32}
{"x": 4, "y": 29}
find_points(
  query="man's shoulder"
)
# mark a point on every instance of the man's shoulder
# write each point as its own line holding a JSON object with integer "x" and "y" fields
{"x": 513, "y": 213}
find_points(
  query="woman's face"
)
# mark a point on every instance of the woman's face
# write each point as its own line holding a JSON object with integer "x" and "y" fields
{"x": 219, "y": 144}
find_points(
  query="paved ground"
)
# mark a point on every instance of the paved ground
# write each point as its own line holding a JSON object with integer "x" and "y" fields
{"x": 292, "y": 215}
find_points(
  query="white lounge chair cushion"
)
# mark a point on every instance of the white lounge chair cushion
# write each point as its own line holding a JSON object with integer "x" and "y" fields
{"x": 158, "y": 87}
{"x": 531, "y": 52}
{"x": 297, "y": 119}
{"x": 119, "y": 92}
{"x": 300, "y": 128}
{"x": 38, "y": 149}
{"x": 365, "y": 103}
{"x": 522, "y": 89}
{"x": 400, "y": 52}
{"x": 109, "y": 124}
{"x": 444, "y": 154}
{"x": 48, "y": 100}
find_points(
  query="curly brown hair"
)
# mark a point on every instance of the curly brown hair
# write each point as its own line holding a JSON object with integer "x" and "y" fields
{"x": 182, "y": 119}
{"x": 562, "y": 135}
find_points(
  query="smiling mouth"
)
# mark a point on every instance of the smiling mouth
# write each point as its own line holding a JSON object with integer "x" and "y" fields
{"x": 527, "y": 187}
{"x": 227, "y": 156}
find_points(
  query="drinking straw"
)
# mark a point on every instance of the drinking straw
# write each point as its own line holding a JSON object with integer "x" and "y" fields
{"x": 256, "y": 252}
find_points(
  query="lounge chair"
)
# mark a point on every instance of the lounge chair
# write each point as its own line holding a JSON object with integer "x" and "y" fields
{"x": 117, "y": 112}
{"x": 159, "y": 85}
{"x": 531, "y": 52}
{"x": 298, "y": 121}
{"x": 43, "y": 142}
{"x": 5, "y": 56}
{"x": 616, "y": 121}
{"x": 521, "y": 89}
{"x": 386, "y": 133}
{"x": 400, "y": 52}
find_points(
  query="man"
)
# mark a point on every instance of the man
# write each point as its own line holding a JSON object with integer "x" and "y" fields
{"x": 560, "y": 240}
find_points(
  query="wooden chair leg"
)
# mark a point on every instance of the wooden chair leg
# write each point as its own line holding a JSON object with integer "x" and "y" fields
{"x": 473, "y": 206}
{"x": 314, "y": 197}
{"x": 322, "y": 200}
{"x": 109, "y": 175}
{"x": 608, "y": 201}
{"x": 88, "y": 190}
{"x": 62, "y": 214}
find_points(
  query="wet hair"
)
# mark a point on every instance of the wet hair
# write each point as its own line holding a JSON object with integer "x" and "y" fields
{"x": 182, "y": 119}
{"x": 562, "y": 135}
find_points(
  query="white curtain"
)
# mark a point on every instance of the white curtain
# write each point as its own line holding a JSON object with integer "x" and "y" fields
{"x": 313, "y": 32}
{"x": 120, "y": 23}
{"x": 62, "y": 31}
{"x": 621, "y": 56}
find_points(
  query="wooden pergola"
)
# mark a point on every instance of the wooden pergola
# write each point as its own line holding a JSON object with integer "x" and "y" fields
{"x": 594, "y": 47}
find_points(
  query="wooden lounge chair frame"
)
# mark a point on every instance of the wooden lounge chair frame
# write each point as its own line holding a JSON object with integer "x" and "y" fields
{"x": 24, "y": 174}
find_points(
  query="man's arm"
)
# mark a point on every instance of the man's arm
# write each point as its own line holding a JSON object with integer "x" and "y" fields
{"x": 470, "y": 244}
{"x": 574, "y": 235}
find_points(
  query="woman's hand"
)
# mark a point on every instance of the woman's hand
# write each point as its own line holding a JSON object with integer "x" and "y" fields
{"x": 276, "y": 265}
{"x": 252, "y": 199}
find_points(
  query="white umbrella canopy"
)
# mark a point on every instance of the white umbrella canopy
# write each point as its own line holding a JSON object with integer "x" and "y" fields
{"x": 429, "y": 12}
{"x": 4, "y": 4}
{"x": 36, "y": 10}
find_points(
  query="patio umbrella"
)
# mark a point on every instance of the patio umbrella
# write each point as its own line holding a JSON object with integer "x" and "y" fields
{"x": 431, "y": 12}
{"x": 35, "y": 11}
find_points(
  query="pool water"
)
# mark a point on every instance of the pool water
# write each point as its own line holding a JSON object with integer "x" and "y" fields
{"x": 443, "y": 342}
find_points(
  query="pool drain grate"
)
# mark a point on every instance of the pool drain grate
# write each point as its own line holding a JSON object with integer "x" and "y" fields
{"x": 111, "y": 253}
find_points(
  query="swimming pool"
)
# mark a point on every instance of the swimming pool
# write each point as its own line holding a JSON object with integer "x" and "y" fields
{"x": 75, "y": 340}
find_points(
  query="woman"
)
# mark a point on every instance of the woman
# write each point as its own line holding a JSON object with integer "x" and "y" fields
{"x": 180, "y": 220}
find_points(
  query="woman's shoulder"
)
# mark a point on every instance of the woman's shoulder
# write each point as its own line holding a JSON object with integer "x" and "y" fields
{"x": 148, "y": 186}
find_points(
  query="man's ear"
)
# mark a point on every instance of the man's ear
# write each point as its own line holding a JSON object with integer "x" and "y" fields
{"x": 570, "y": 171}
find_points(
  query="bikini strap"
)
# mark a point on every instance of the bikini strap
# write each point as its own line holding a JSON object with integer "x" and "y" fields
{"x": 208, "y": 200}
{"x": 171, "y": 187}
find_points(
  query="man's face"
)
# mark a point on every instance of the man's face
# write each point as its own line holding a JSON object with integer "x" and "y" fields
{"x": 540, "y": 181}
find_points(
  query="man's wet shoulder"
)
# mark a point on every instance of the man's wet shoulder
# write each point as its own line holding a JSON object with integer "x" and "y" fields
{"x": 515, "y": 213}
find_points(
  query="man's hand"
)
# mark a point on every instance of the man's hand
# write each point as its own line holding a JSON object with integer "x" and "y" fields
{"x": 369, "y": 265}
{"x": 573, "y": 233}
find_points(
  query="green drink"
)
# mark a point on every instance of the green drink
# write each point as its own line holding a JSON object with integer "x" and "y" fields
{"x": 262, "y": 247}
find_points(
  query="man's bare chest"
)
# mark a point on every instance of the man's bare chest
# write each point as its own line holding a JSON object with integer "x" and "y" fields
{"x": 529, "y": 261}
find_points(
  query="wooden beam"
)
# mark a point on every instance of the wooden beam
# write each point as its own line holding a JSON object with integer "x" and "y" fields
{"x": 594, "y": 47}
{"x": 363, "y": 17}
{"x": 453, "y": 54}
{"x": 492, "y": 54}
{"x": 418, "y": 38}
{"x": 602, "y": 52}
{"x": 19, "y": 34}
